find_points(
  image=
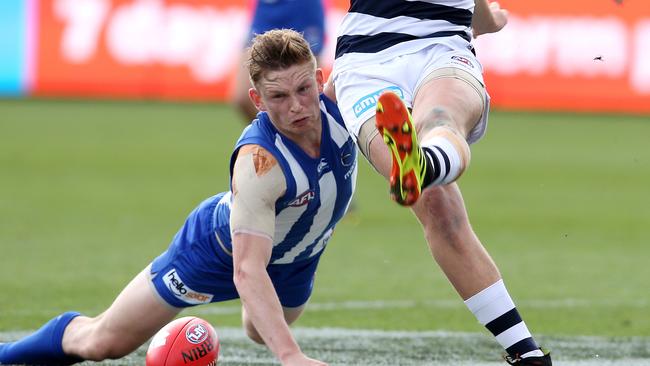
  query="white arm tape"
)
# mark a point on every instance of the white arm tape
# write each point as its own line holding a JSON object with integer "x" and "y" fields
{"x": 258, "y": 182}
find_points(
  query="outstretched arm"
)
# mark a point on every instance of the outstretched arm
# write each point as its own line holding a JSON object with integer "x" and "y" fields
{"x": 258, "y": 182}
{"x": 488, "y": 17}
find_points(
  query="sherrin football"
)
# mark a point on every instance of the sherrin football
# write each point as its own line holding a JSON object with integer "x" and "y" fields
{"x": 187, "y": 341}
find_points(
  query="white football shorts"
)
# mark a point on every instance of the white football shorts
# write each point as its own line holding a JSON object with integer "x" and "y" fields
{"x": 361, "y": 82}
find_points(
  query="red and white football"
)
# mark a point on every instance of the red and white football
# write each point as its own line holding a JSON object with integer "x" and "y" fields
{"x": 187, "y": 341}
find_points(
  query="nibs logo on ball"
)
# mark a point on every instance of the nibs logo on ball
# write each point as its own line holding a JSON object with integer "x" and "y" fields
{"x": 199, "y": 351}
{"x": 196, "y": 334}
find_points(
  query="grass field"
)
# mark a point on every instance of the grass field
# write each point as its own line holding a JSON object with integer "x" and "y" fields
{"x": 90, "y": 192}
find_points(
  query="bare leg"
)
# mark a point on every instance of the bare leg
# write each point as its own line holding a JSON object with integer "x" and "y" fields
{"x": 455, "y": 105}
{"x": 451, "y": 240}
{"x": 135, "y": 315}
{"x": 441, "y": 209}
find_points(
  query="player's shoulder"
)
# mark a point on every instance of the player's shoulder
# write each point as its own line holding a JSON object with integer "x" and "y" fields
{"x": 262, "y": 159}
{"x": 254, "y": 162}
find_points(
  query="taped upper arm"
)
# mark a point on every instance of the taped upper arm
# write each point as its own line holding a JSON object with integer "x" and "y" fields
{"x": 257, "y": 183}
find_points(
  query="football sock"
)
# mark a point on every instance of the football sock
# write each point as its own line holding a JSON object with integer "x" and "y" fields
{"x": 42, "y": 347}
{"x": 494, "y": 309}
{"x": 447, "y": 156}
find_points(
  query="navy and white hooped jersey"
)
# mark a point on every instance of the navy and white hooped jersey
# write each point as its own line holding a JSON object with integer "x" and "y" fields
{"x": 388, "y": 28}
{"x": 319, "y": 190}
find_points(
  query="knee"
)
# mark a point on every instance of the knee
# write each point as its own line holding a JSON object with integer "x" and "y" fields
{"x": 252, "y": 333}
{"x": 249, "y": 328}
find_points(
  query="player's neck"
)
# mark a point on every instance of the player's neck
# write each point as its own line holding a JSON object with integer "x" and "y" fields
{"x": 310, "y": 144}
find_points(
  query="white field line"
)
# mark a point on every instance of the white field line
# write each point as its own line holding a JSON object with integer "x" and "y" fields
{"x": 407, "y": 304}
{"x": 221, "y": 309}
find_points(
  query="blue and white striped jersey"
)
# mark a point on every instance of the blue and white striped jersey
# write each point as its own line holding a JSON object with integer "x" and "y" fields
{"x": 319, "y": 190}
{"x": 388, "y": 28}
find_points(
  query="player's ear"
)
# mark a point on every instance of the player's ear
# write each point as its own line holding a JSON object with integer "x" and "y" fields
{"x": 320, "y": 80}
{"x": 256, "y": 98}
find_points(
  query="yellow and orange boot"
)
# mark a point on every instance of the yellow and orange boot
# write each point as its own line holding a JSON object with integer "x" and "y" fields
{"x": 394, "y": 122}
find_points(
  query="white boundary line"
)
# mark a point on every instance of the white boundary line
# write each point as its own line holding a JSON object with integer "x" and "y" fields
{"x": 408, "y": 304}
{"x": 217, "y": 309}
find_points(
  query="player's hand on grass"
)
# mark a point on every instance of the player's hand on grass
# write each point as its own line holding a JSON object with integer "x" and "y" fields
{"x": 490, "y": 20}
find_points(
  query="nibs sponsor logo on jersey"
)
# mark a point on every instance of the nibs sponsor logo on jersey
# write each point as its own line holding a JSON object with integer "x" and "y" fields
{"x": 462, "y": 60}
{"x": 369, "y": 101}
{"x": 303, "y": 198}
{"x": 175, "y": 284}
{"x": 196, "y": 334}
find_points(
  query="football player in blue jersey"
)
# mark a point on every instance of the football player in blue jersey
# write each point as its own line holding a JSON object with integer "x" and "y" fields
{"x": 304, "y": 16}
{"x": 411, "y": 90}
{"x": 293, "y": 173}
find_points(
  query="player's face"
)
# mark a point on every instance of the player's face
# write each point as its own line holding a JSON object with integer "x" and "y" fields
{"x": 290, "y": 97}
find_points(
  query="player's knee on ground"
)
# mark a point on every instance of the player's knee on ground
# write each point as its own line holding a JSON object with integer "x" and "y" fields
{"x": 249, "y": 328}
{"x": 290, "y": 316}
{"x": 252, "y": 333}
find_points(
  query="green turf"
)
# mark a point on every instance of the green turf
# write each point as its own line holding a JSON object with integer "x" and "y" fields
{"x": 90, "y": 192}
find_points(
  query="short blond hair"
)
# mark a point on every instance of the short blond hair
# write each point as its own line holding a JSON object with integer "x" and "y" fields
{"x": 276, "y": 50}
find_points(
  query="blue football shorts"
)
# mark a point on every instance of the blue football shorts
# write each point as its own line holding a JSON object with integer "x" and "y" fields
{"x": 282, "y": 14}
{"x": 195, "y": 270}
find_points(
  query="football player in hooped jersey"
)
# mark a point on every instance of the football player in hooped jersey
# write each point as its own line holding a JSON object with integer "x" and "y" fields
{"x": 411, "y": 90}
{"x": 293, "y": 174}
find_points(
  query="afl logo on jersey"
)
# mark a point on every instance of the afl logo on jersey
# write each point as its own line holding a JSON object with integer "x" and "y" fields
{"x": 303, "y": 199}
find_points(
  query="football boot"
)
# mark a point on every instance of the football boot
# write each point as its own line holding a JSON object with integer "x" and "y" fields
{"x": 394, "y": 122}
{"x": 531, "y": 361}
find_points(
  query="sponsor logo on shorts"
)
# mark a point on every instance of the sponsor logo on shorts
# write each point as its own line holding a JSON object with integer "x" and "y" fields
{"x": 303, "y": 198}
{"x": 176, "y": 285}
{"x": 196, "y": 334}
{"x": 462, "y": 60}
{"x": 370, "y": 101}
